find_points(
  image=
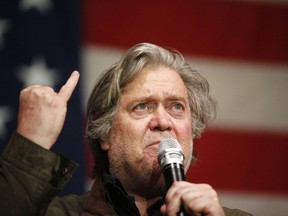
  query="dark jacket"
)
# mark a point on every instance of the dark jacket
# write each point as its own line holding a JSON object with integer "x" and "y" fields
{"x": 31, "y": 177}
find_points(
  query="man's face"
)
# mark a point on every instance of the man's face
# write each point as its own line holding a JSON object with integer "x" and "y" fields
{"x": 153, "y": 106}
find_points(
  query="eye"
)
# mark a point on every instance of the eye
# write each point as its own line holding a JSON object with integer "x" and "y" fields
{"x": 178, "y": 106}
{"x": 141, "y": 110}
{"x": 141, "y": 106}
{"x": 177, "y": 109}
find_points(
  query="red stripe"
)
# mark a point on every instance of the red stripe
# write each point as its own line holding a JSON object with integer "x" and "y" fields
{"x": 230, "y": 29}
{"x": 246, "y": 161}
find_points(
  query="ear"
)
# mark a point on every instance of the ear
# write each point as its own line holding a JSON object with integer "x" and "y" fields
{"x": 105, "y": 145}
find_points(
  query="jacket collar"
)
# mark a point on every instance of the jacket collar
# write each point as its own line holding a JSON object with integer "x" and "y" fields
{"x": 96, "y": 203}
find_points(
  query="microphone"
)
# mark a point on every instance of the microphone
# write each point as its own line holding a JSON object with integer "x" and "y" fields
{"x": 170, "y": 159}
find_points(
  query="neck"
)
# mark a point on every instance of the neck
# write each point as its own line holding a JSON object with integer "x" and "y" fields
{"x": 143, "y": 203}
{"x": 145, "y": 195}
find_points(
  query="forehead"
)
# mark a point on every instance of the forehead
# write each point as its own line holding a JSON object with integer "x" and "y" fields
{"x": 162, "y": 81}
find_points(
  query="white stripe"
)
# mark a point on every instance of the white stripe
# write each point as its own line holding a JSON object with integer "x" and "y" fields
{"x": 256, "y": 204}
{"x": 249, "y": 95}
{"x": 95, "y": 60}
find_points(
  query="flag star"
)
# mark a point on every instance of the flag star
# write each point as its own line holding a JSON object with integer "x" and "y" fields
{"x": 5, "y": 116}
{"x": 4, "y": 26}
{"x": 43, "y": 6}
{"x": 38, "y": 74}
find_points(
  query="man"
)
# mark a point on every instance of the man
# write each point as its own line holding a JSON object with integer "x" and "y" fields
{"x": 149, "y": 95}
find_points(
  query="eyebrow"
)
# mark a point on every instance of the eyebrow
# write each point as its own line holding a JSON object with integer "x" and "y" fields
{"x": 152, "y": 98}
{"x": 170, "y": 97}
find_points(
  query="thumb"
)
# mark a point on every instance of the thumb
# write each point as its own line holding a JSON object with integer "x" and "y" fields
{"x": 67, "y": 89}
{"x": 163, "y": 210}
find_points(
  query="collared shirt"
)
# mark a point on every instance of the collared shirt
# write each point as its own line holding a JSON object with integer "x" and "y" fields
{"x": 123, "y": 203}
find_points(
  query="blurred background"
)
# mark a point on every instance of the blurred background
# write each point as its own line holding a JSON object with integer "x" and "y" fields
{"x": 241, "y": 47}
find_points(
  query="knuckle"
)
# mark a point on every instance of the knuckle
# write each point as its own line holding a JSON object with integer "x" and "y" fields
{"x": 177, "y": 193}
{"x": 42, "y": 92}
{"x": 207, "y": 186}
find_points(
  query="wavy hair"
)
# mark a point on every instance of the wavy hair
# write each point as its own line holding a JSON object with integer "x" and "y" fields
{"x": 105, "y": 97}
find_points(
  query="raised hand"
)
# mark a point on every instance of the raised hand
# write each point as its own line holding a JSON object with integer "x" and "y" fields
{"x": 42, "y": 111}
{"x": 196, "y": 199}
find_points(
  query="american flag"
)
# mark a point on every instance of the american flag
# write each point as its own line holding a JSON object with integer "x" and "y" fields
{"x": 240, "y": 47}
{"x": 39, "y": 44}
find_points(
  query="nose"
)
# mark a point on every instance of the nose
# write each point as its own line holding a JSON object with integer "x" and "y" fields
{"x": 161, "y": 120}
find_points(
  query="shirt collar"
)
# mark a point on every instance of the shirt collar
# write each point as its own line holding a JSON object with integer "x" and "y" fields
{"x": 121, "y": 201}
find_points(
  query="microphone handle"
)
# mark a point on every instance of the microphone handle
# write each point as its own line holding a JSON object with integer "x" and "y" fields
{"x": 174, "y": 172}
{"x": 181, "y": 213}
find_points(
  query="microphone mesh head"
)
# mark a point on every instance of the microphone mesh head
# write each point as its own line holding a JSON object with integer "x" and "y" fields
{"x": 168, "y": 143}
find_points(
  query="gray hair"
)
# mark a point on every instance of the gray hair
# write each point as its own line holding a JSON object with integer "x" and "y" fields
{"x": 105, "y": 97}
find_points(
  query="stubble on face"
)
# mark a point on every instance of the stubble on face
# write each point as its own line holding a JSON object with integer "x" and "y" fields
{"x": 133, "y": 145}
{"x": 136, "y": 167}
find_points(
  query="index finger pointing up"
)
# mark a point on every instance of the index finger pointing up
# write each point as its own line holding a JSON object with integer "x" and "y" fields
{"x": 67, "y": 89}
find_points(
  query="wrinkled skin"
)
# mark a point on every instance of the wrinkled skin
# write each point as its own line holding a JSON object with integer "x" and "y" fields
{"x": 155, "y": 106}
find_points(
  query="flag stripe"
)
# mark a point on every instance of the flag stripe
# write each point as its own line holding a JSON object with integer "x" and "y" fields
{"x": 232, "y": 29}
{"x": 242, "y": 161}
{"x": 249, "y": 95}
